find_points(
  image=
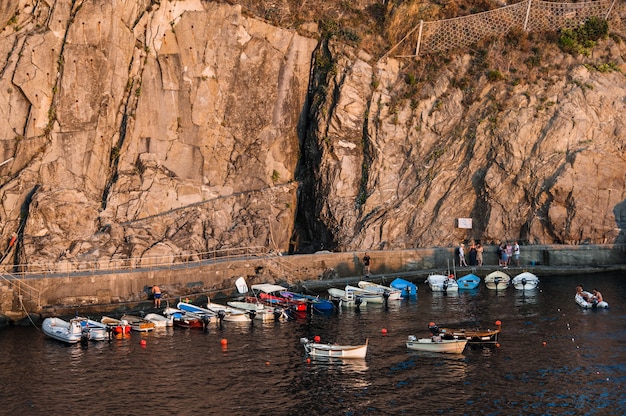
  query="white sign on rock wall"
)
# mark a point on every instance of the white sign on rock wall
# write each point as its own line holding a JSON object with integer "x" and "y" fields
{"x": 464, "y": 223}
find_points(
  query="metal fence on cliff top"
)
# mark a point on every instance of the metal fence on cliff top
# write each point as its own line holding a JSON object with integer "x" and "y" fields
{"x": 529, "y": 15}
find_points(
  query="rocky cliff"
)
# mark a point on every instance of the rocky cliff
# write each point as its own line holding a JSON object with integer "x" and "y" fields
{"x": 170, "y": 128}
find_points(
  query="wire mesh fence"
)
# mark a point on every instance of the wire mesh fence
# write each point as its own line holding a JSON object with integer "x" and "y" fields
{"x": 529, "y": 15}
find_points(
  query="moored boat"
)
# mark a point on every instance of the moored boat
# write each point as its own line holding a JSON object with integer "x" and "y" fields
{"x": 474, "y": 336}
{"x": 69, "y": 332}
{"x": 449, "y": 346}
{"x": 138, "y": 323}
{"x": 118, "y": 326}
{"x": 228, "y": 313}
{"x": 346, "y": 299}
{"x": 442, "y": 283}
{"x": 160, "y": 321}
{"x": 317, "y": 349}
{"x": 525, "y": 281}
{"x": 468, "y": 282}
{"x": 497, "y": 280}
{"x": 322, "y": 306}
{"x": 97, "y": 331}
{"x": 388, "y": 292}
{"x": 261, "y": 311}
{"x": 370, "y": 296}
{"x": 407, "y": 288}
{"x": 270, "y": 295}
{"x": 183, "y": 319}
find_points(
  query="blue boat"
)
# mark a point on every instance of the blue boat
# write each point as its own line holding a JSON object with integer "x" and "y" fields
{"x": 407, "y": 288}
{"x": 468, "y": 282}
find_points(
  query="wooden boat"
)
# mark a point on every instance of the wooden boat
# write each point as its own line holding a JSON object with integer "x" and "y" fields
{"x": 118, "y": 326}
{"x": 407, "y": 288}
{"x": 347, "y": 299}
{"x": 260, "y": 311}
{"x": 317, "y": 349}
{"x": 160, "y": 321}
{"x": 388, "y": 292}
{"x": 442, "y": 283}
{"x": 434, "y": 344}
{"x": 474, "y": 336}
{"x": 525, "y": 281}
{"x": 138, "y": 323}
{"x": 497, "y": 280}
{"x": 589, "y": 304}
{"x": 468, "y": 282}
{"x": 69, "y": 332}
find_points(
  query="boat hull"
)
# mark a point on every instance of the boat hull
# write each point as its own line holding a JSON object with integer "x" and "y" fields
{"x": 315, "y": 349}
{"x": 468, "y": 282}
{"x": 349, "y": 300}
{"x": 497, "y": 280}
{"x": 407, "y": 288}
{"x": 160, "y": 321}
{"x": 442, "y": 283}
{"x": 454, "y": 346}
{"x": 69, "y": 332}
{"x": 525, "y": 281}
{"x": 387, "y": 291}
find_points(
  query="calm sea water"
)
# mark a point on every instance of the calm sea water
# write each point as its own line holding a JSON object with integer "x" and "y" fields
{"x": 554, "y": 358}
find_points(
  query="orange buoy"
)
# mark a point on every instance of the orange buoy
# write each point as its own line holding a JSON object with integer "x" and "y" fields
{"x": 498, "y": 323}
{"x": 142, "y": 342}
{"x": 224, "y": 341}
{"x": 308, "y": 361}
{"x": 317, "y": 338}
{"x": 267, "y": 363}
{"x": 384, "y": 331}
{"x": 544, "y": 343}
{"x": 431, "y": 324}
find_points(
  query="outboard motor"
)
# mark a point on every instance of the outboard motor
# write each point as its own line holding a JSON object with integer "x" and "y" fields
{"x": 221, "y": 314}
{"x": 445, "y": 286}
{"x": 278, "y": 313}
{"x": 386, "y": 299}
{"x": 524, "y": 281}
{"x": 205, "y": 323}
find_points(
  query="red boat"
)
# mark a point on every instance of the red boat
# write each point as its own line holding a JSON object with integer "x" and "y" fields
{"x": 270, "y": 295}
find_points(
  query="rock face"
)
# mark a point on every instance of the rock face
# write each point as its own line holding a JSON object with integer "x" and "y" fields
{"x": 139, "y": 128}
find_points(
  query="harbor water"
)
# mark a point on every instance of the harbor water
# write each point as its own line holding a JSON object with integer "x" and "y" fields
{"x": 553, "y": 358}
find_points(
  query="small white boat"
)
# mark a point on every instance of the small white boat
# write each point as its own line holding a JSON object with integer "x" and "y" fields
{"x": 442, "y": 283}
{"x": 436, "y": 344}
{"x": 347, "y": 299}
{"x": 525, "y": 281}
{"x": 589, "y": 304}
{"x": 69, "y": 332}
{"x": 389, "y": 292}
{"x": 138, "y": 323}
{"x": 317, "y": 349}
{"x": 497, "y": 280}
{"x": 366, "y": 294}
{"x": 260, "y": 311}
{"x": 229, "y": 313}
{"x": 160, "y": 321}
{"x": 97, "y": 331}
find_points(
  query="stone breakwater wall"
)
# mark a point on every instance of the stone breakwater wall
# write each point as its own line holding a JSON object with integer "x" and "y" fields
{"x": 102, "y": 291}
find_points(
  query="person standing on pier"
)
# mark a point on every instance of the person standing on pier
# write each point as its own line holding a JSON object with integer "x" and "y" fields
{"x": 366, "y": 263}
